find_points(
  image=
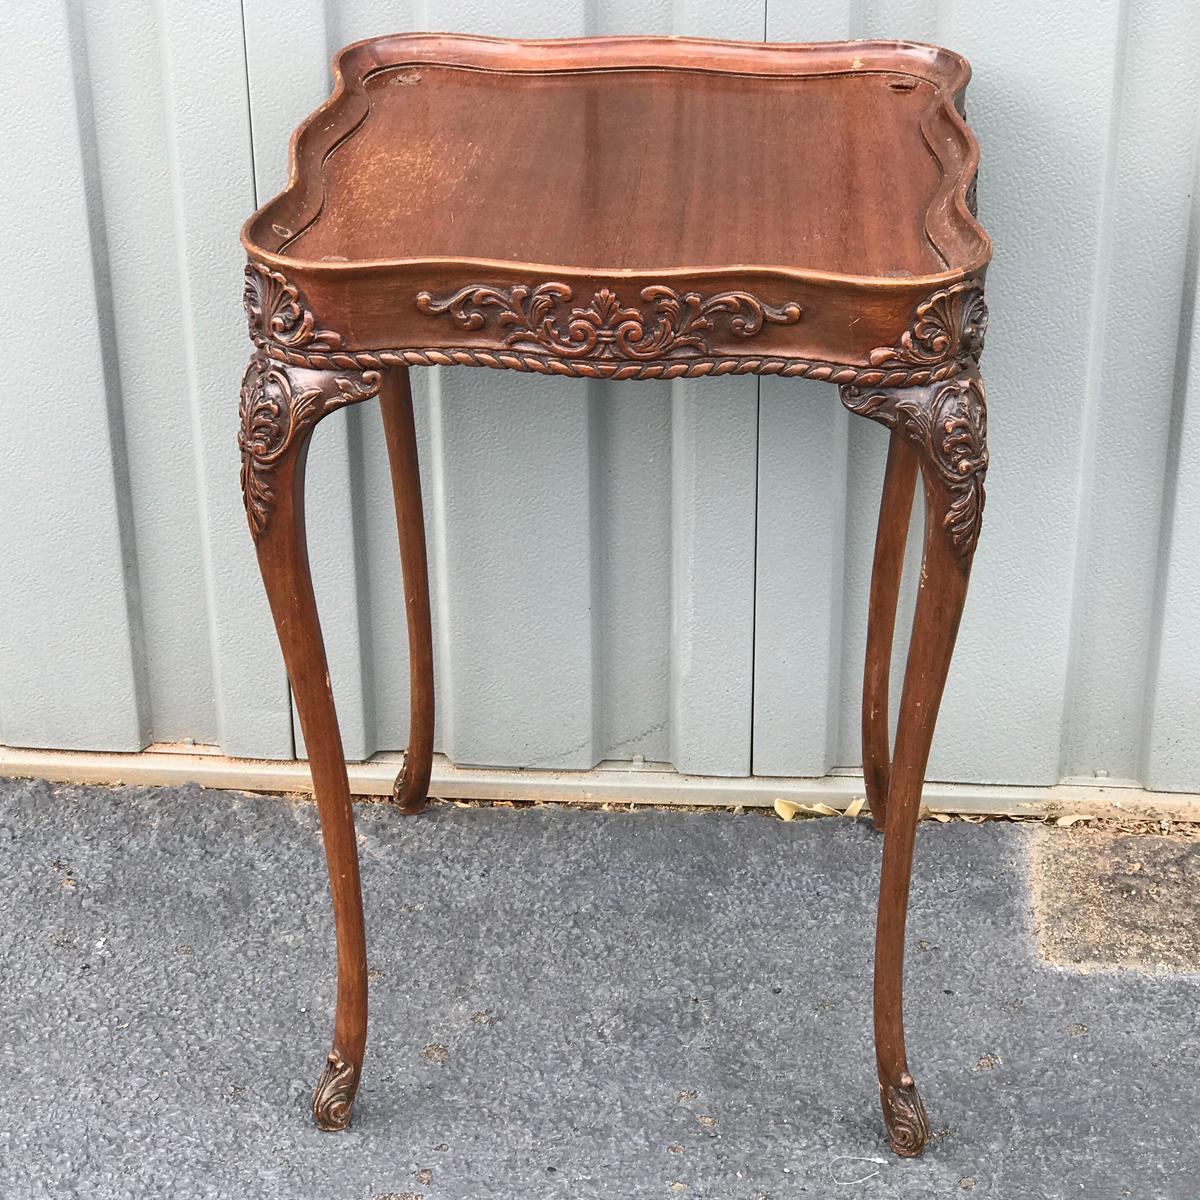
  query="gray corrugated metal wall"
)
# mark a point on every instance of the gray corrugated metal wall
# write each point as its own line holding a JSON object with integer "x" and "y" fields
{"x": 677, "y": 571}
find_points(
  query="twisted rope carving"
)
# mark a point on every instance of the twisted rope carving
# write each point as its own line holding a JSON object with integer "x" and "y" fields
{"x": 691, "y": 368}
{"x": 946, "y": 335}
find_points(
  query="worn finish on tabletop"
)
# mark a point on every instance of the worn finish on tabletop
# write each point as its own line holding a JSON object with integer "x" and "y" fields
{"x": 639, "y": 212}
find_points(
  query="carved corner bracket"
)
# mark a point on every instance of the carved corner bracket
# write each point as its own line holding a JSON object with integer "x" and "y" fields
{"x": 948, "y": 423}
{"x": 927, "y": 386}
{"x": 278, "y": 316}
{"x": 289, "y": 385}
{"x": 946, "y": 335}
{"x": 279, "y": 406}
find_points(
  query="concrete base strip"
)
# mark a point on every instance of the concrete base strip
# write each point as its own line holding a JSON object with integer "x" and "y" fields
{"x": 614, "y": 783}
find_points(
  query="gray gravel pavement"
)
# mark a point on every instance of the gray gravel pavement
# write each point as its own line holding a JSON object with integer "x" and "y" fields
{"x": 565, "y": 1004}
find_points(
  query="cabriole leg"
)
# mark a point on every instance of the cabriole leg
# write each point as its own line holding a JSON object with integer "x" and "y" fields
{"x": 280, "y": 405}
{"x": 412, "y": 784}
{"x": 947, "y": 424}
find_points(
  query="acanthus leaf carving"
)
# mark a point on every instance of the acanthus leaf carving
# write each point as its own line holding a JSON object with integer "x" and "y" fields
{"x": 541, "y": 318}
{"x": 333, "y": 1099}
{"x": 904, "y": 1116}
{"x": 668, "y": 337}
{"x": 278, "y": 314}
{"x": 948, "y": 422}
{"x": 275, "y": 411}
{"x": 949, "y": 327}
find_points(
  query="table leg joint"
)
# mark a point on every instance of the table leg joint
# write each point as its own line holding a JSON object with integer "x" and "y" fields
{"x": 280, "y": 405}
{"x": 947, "y": 422}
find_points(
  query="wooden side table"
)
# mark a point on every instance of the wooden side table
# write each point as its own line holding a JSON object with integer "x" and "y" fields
{"x": 626, "y": 208}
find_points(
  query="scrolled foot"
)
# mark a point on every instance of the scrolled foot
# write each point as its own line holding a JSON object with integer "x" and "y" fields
{"x": 402, "y": 790}
{"x": 904, "y": 1116}
{"x": 333, "y": 1099}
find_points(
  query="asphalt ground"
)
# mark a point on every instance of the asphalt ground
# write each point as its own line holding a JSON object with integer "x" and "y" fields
{"x": 566, "y": 1003}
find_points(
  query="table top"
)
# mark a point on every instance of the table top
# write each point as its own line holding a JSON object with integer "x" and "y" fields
{"x": 815, "y": 179}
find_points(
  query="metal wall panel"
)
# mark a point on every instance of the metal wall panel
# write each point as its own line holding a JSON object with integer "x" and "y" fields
{"x": 672, "y": 571}
{"x": 70, "y": 661}
{"x": 1170, "y": 747}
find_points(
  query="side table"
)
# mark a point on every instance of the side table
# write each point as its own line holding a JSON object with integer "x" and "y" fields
{"x": 626, "y": 208}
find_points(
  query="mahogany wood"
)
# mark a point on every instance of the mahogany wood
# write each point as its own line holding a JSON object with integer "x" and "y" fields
{"x": 283, "y": 560}
{"x": 395, "y": 397}
{"x": 895, "y": 506}
{"x": 916, "y": 415}
{"x": 626, "y": 208}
